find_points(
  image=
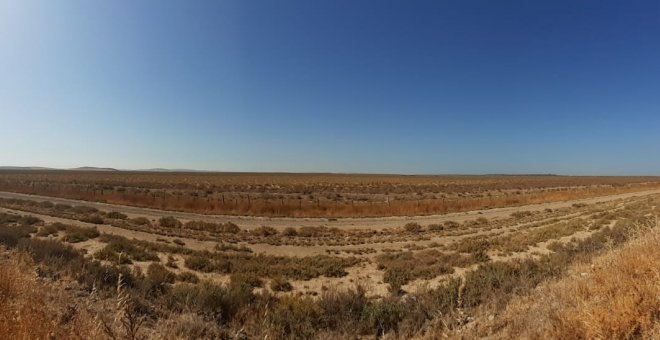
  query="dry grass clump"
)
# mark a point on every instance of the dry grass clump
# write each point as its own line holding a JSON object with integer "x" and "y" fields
{"x": 24, "y": 313}
{"x": 615, "y": 297}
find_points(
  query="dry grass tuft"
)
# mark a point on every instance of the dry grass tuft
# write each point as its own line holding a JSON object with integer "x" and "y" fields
{"x": 616, "y": 296}
{"x": 23, "y": 314}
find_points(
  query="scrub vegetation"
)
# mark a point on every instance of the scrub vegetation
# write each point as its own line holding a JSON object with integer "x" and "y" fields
{"x": 139, "y": 278}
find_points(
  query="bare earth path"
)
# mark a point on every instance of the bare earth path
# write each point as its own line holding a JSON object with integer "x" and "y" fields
{"x": 248, "y": 222}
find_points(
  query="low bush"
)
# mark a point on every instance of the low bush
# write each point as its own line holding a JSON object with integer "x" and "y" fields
{"x": 189, "y": 277}
{"x": 303, "y": 268}
{"x": 116, "y": 215}
{"x": 169, "y": 222}
{"x": 94, "y": 219}
{"x": 121, "y": 250}
{"x": 143, "y": 221}
{"x": 81, "y": 209}
{"x": 9, "y": 236}
{"x": 156, "y": 279}
{"x": 413, "y": 227}
{"x": 396, "y": 278}
{"x": 29, "y": 220}
{"x": 264, "y": 231}
{"x": 74, "y": 234}
{"x": 280, "y": 284}
{"x": 425, "y": 264}
{"x": 247, "y": 279}
{"x": 222, "y": 228}
{"x": 436, "y": 227}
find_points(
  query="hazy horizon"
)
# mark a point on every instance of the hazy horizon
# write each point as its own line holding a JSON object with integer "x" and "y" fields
{"x": 387, "y": 87}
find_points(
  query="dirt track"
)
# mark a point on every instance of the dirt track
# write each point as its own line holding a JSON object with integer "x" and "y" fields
{"x": 248, "y": 222}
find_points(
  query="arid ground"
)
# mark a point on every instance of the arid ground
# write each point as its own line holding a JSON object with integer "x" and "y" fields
{"x": 135, "y": 271}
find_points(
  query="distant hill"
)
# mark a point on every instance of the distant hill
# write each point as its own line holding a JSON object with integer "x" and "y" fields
{"x": 169, "y": 170}
{"x": 93, "y": 168}
{"x": 24, "y": 168}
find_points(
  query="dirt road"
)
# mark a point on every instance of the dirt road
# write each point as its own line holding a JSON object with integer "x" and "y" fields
{"x": 249, "y": 222}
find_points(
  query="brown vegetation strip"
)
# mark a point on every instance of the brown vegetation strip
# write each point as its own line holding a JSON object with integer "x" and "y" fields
{"x": 315, "y": 195}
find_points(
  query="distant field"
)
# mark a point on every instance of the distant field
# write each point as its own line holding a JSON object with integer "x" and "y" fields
{"x": 313, "y": 195}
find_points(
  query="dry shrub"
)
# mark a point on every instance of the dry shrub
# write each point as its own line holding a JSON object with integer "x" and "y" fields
{"x": 280, "y": 284}
{"x": 413, "y": 227}
{"x": 300, "y": 195}
{"x": 169, "y": 222}
{"x": 23, "y": 313}
{"x": 405, "y": 266}
{"x": 614, "y": 298}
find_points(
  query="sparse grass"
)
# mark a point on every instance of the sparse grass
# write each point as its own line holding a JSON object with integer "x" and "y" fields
{"x": 237, "y": 309}
{"x": 520, "y": 241}
{"x": 402, "y": 267}
{"x": 303, "y": 268}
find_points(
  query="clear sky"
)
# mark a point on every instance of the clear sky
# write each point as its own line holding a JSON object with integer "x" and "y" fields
{"x": 569, "y": 87}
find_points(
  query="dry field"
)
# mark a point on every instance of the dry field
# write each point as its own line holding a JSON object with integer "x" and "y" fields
{"x": 544, "y": 271}
{"x": 314, "y": 195}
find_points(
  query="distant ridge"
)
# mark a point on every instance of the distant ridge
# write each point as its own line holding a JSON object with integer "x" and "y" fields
{"x": 92, "y": 168}
{"x": 169, "y": 170}
{"x": 25, "y": 168}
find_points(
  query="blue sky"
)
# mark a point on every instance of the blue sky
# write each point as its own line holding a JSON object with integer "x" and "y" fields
{"x": 569, "y": 87}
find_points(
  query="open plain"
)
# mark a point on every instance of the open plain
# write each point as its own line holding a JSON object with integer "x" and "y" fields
{"x": 405, "y": 276}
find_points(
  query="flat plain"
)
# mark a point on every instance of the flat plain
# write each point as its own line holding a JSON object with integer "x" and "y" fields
{"x": 151, "y": 255}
